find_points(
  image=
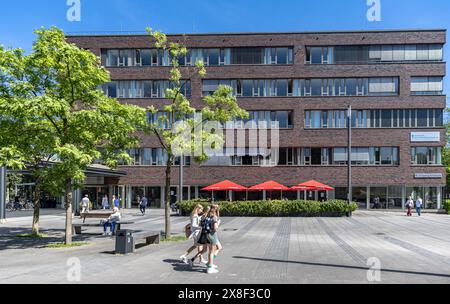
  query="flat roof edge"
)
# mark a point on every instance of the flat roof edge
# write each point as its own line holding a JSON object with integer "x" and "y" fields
{"x": 141, "y": 33}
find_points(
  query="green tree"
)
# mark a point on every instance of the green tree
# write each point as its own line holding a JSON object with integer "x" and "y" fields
{"x": 81, "y": 124}
{"x": 175, "y": 138}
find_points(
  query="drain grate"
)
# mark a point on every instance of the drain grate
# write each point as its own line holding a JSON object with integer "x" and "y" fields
{"x": 230, "y": 229}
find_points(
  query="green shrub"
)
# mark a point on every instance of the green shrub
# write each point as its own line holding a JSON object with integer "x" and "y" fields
{"x": 447, "y": 206}
{"x": 275, "y": 208}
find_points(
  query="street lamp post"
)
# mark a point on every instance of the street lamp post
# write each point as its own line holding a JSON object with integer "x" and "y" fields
{"x": 349, "y": 178}
{"x": 180, "y": 190}
{"x": 2, "y": 195}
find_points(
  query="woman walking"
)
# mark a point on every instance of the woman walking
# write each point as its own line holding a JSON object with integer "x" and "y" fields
{"x": 195, "y": 233}
{"x": 212, "y": 223}
{"x": 409, "y": 205}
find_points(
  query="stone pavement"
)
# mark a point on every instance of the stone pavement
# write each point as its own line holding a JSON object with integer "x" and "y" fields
{"x": 256, "y": 250}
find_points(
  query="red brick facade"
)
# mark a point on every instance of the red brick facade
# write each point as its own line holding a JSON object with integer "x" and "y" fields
{"x": 197, "y": 175}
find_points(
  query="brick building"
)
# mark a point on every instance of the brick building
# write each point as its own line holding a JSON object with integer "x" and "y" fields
{"x": 301, "y": 85}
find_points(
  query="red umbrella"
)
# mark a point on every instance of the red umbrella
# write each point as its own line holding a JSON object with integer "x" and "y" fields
{"x": 314, "y": 186}
{"x": 224, "y": 186}
{"x": 269, "y": 186}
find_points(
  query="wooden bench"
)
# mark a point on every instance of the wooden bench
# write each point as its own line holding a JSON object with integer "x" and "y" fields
{"x": 142, "y": 239}
{"x": 96, "y": 215}
{"x": 77, "y": 227}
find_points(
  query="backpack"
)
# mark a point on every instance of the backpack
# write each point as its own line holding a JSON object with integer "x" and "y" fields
{"x": 187, "y": 230}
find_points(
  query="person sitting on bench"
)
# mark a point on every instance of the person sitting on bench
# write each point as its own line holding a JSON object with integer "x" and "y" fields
{"x": 111, "y": 222}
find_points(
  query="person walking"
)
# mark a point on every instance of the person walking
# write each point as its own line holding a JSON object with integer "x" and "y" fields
{"x": 115, "y": 201}
{"x": 111, "y": 222}
{"x": 105, "y": 202}
{"x": 195, "y": 231}
{"x": 143, "y": 204}
{"x": 409, "y": 205}
{"x": 85, "y": 204}
{"x": 419, "y": 205}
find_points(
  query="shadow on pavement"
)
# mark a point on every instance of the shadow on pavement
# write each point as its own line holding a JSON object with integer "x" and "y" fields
{"x": 345, "y": 266}
{"x": 181, "y": 267}
{"x": 9, "y": 239}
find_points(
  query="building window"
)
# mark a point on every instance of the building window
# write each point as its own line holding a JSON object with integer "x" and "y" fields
{"x": 143, "y": 88}
{"x": 360, "y": 54}
{"x": 426, "y": 85}
{"x": 426, "y": 156}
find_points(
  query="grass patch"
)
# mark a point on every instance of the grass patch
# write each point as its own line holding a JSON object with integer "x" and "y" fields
{"x": 32, "y": 236}
{"x": 63, "y": 245}
{"x": 174, "y": 239}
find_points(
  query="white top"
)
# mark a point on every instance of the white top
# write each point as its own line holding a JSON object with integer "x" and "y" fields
{"x": 116, "y": 216}
{"x": 105, "y": 201}
{"x": 196, "y": 229}
{"x": 409, "y": 203}
{"x": 85, "y": 201}
{"x": 419, "y": 203}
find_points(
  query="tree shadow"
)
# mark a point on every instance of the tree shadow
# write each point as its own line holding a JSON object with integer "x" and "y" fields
{"x": 9, "y": 239}
{"x": 181, "y": 267}
{"x": 346, "y": 266}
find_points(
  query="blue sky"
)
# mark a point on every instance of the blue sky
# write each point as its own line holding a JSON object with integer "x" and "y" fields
{"x": 19, "y": 18}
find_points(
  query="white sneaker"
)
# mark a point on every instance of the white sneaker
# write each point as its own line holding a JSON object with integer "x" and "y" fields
{"x": 203, "y": 261}
{"x": 212, "y": 270}
{"x": 183, "y": 259}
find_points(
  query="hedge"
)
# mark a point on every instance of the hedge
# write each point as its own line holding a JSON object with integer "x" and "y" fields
{"x": 447, "y": 206}
{"x": 276, "y": 208}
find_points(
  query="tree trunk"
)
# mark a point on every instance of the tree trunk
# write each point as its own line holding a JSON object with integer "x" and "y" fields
{"x": 36, "y": 209}
{"x": 168, "y": 231}
{"x": 68, "y": 239}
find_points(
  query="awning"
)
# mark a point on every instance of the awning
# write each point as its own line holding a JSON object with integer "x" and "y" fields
{"x": 225, "y": 186}
{"x": 269, "y": 186}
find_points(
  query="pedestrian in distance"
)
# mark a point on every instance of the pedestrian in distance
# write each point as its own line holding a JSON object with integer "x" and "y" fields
{"x": 193, "y": 231}
{"x": 409, "y": 205}
{"x": 419, "y": 205}
{"x": 143, "y": 204}
{"x": 115, "y": 201}
{"x": 85, "y": 204}
{"x": 105, "y": 202}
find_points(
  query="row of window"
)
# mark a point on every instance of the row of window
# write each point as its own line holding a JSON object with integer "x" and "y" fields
{"x": 376, "y": 156}
{"x": 409, "y": 118}
{"x": 361, "y": 156}
{"x": 382, "y": 86}
{"x": 143, "y": 88}
{"x": 385, "y": 86}
{"x": 374, "y": 53}
{"x": 256, "y": 120}
{"x": 152, "y": 157}
{"x": 210, "y": 56}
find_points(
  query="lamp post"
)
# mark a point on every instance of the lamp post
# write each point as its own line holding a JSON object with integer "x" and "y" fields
{"x": 2, "y": 195}
{"x": 349, "y": 160}
{"x": 180, "y": 191}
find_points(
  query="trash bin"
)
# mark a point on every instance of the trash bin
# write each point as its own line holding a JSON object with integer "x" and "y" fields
{"x": 124, "y": 242}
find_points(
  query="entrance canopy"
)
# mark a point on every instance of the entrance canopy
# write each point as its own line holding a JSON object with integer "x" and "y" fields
{"x": 269, "y": 186}
{"x": 313, "y": 186}
{"x": 225, "y": 186}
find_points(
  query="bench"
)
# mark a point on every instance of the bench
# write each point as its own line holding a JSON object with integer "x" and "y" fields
{"x": 148, "y": 238}
{"x": 96, "y": 215}
{"x": 77, "y": 227}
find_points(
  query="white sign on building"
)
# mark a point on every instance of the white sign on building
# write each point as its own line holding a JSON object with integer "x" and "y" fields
{"x": 425, "y": 137}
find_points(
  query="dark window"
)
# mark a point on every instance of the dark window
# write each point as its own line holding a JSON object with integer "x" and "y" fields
{"x": 316, "y": 55}
{"x": 282, "y": 54}
{"x": 282, "y": 87}
{"x": 351, "y": 87}
{"x": 422, "y": 118}
{"x": 112, "y": 89}
{"x": 213, "y": 56}
{"x": 439, "y": 118}
{"x": 316, "y": 156}
{"x": 386, "y": 119}
{"x": 247, "y": 56}
{"x": 247, "y": 88}
{"x": 316, "y": 87}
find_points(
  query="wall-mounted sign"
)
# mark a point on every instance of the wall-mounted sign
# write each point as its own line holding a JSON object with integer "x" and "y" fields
{"x": 425, "y": 137}
{"x": 428, "y": 175}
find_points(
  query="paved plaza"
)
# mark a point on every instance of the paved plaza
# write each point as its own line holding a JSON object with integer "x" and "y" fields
{"x": 256, "y": 250}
